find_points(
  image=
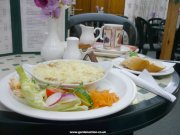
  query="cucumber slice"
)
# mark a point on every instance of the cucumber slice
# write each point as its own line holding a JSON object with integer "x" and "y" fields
{"x": 83, "y": 95}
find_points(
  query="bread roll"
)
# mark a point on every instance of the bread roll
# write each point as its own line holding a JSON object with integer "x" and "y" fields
{"x": 155, "y": 66}
{"x": 135, "y": 63}
{"x": 139, "y": 64}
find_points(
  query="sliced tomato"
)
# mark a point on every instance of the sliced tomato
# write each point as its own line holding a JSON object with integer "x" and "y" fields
{"x": 49, "y": 92}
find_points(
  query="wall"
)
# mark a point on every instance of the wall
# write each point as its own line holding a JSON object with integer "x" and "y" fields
{"x": 109, "y": 6}
{"x": 146, "y": 8}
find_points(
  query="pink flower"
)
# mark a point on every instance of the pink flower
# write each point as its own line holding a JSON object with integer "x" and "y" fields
{"x": 41, "y": 3}
{"x": 54, "y": 13}
{"x": 65, "y": 2}
{"x": 51, "y": 8}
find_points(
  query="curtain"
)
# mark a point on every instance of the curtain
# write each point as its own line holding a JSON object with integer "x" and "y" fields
{"x": 146, "y": 9}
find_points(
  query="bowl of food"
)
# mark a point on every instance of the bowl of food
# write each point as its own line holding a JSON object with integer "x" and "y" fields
{"x": 69, "y": 73}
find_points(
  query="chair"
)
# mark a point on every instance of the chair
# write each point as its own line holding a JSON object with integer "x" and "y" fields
{"x": 163, "y": 22}
{"x": 157, "y": 24}
{"x": 176, "y": 47}
{"x": 145, "y": 37}
{"x": 156, "y": 21}
{"x": 176, "y": 50}
{"x": 97, "y": 20}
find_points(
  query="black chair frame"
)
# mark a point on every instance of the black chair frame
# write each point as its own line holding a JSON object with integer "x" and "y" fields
{"x": 145, "y": 37}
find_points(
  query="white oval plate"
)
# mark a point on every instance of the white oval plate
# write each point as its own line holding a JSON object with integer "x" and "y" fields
{"x": 106, "y": 65}
{"x": 110, "y": 55}
{"x": 166, "y": 71}
{"x": 115, "y": 82}
{"x": 122, "y": 50}
{"x": 100, "y": 51}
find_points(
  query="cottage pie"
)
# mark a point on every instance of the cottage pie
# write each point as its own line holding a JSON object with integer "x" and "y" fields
{"x": 68, "y": 72}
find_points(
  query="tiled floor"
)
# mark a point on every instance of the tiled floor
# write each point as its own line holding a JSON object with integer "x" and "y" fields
{"x": 169, "y": 125}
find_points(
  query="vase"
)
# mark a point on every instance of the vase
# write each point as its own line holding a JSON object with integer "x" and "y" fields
{"x": 53, "y": 47}
{"x": 62, "y": 24}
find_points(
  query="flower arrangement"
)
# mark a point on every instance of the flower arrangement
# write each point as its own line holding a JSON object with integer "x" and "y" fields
{"x": 51, "y": 8}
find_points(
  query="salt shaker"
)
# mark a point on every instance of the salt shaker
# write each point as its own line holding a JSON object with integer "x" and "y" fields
{"x": 72, "y": 50}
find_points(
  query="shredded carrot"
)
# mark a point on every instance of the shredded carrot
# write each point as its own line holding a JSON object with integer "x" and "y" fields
{"x": 103, "y": 98}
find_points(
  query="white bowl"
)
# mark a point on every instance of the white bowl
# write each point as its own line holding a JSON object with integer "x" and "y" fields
{"x": 105, "y": 65}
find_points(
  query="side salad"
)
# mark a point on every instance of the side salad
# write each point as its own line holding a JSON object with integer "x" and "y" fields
{"x": 53, "y": 98}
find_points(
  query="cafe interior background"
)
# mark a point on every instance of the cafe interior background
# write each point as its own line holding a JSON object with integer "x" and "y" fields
{"x": 36, "y": 29}
{"x": 146, "y": 9}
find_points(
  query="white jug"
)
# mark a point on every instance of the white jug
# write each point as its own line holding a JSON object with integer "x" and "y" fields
{"x": 72, "y": 50}
{"x": 87, "y": 35}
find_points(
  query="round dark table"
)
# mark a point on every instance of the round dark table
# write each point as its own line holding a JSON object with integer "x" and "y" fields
{"x": 134, "y": 117}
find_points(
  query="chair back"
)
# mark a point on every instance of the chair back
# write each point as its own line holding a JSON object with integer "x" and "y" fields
{"x": 97, "y": 20}
{"x": 144, "y": 32}
{"x": 163, "y": 22}
{"x": 156, "y": 21}
{"x": 176, "y": 50}
{"x": 176, "y": 47}
{"x": 146, "y": 37}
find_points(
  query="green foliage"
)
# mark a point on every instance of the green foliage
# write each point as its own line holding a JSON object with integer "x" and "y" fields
{"x": 133, "y": 54}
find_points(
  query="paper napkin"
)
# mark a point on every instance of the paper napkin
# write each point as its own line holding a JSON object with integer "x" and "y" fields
{"x": 168, "y": 65}
{"x": 146, "y": 81}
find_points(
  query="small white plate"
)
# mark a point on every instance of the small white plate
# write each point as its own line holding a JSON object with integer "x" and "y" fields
{"x": 123, "y": 49}
{"x": 166, "y": 71}
{"x": 100, "y": 51}
{"x": 115, "y": 82}
{"x": 109, "y": 55}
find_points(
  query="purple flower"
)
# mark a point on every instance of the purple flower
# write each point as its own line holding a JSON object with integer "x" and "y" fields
{"x": 54, "y": 13}
{"x": 41, "y": 3}
{"x": 65, "y": 2}
{"x": 51, "y": 8}
{"x": 53, "y": 3}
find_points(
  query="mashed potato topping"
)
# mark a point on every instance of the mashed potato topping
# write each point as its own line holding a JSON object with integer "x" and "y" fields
{"x": 68, "y": 72}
